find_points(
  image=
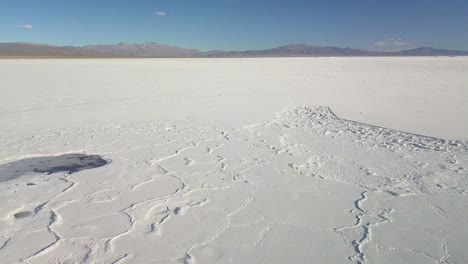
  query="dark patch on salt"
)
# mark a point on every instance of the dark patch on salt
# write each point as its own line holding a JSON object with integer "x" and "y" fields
{"x": 177, "y": 210}
{"x": 68, "y": 163}
{"x": 21, "y": 215}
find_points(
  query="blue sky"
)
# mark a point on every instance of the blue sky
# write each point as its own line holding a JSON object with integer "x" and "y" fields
{"x": 239, "y": 24}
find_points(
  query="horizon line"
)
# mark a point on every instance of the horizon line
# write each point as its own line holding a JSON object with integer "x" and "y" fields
{"x": 223, "y": 50}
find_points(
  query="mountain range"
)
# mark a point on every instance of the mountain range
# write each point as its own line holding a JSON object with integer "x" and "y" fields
{"x": 156, "y": 50}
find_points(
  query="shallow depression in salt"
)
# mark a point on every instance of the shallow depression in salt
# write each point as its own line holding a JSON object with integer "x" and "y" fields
{"x": 233, "y": 160}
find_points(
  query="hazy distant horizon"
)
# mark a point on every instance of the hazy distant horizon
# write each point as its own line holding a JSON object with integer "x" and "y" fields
{"x": 158, "y": 50}
{"x": 217, "y": 49}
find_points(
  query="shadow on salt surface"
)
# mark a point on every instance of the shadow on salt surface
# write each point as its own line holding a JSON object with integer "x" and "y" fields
{"x": 68, "y": 163}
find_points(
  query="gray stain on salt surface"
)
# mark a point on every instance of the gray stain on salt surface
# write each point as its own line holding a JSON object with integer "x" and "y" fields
{"x": 68, "y": 163}
{"x": 21, "y": 215}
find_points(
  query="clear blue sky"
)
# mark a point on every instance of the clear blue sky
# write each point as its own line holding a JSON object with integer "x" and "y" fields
{"x": 239, "y": 24}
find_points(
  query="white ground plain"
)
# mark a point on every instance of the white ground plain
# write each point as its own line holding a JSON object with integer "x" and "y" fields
{"x": 238, "y": 160}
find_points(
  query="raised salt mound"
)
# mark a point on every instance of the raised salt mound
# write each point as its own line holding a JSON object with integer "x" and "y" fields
{"x": 322, "y": 120}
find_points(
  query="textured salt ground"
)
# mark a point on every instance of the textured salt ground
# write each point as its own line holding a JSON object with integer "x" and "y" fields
{"x": 424, "y": 95}
{"x": 305, "y": 186}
